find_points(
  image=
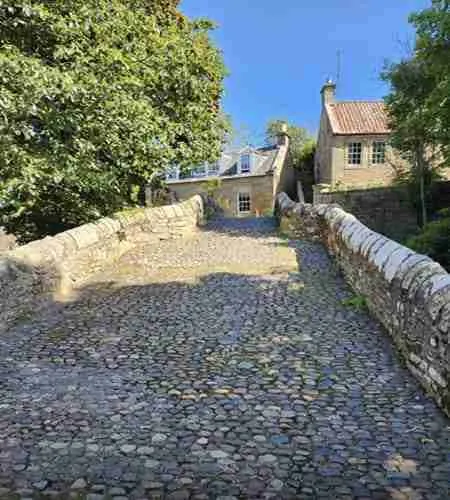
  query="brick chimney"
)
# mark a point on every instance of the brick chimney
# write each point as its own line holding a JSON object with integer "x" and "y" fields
{"x": 328, "y": 92}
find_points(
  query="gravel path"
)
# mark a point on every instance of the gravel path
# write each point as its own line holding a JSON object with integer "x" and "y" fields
{"x": 211, "y": 368}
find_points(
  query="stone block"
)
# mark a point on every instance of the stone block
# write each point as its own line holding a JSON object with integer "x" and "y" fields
{"x": 425, "y": 273}
{"x": 444, "y": 322}
{"x": 358, "y": 238}
{"x": 437, "y": 377}
{"x": 381, "y": 256}
{"x": 408, "y": 265}
{"x": 434, "y": 286}
{"x": 85, "y": 235}
{"x": 370, "y": 241}
{"x": 375, "y": 248}
{"x": 394, "y": 261}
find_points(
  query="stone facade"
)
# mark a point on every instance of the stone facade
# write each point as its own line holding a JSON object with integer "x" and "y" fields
{"x": 409, "y": 293}
{"x": 50, "y": 268}
{"x": 262, "y": 188}
{"x": 364, "y": 175}
{"x": 227, "y": 191}
{"x": 331, "y": 162}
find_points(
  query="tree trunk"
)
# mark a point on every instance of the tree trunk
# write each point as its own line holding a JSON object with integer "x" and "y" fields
{"x": 423, "y": 205}
{"x": 421, "y": 174}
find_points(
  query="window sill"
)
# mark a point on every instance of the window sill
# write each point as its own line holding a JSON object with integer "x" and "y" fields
{"x": 361, "y": 167}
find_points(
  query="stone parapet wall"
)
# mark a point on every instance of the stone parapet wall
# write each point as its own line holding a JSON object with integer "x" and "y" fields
{"x": 7, "y": 241}
{"x": 387, "y": 210}
{"x": 409, "y": 293}
{"x": 49, "y": 268}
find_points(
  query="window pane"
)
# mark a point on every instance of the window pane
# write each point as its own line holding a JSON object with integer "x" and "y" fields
{"x": 378, "y": 153}
{"x": 354, "y": 153}
{"x": 213, "y": 168}
{"x": 172, "y": 173}
{"x": 198, "y": 171}
{"x": 244, "y": 202}
{"x": 245, "y": 163}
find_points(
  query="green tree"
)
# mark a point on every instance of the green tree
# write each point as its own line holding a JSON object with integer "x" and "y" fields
{"x": 96, "y": 98}
{"x": 418, "y": 103}
{"x": 412, "y": 135}
{"x": 433, "y": 52}
{"x": 301, "y": 143}
{"x": 301, "y": 152}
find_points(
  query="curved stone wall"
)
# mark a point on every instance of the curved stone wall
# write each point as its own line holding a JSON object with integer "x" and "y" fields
{"x": 409, "y": 293}
{"x": 51, "y": 267}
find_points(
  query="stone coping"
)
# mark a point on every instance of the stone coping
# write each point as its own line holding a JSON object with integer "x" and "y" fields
{"x": 408, "y": 292}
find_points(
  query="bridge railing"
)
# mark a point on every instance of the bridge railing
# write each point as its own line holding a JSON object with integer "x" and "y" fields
{"x": 48, "y": 269}
{"x": 409, "y": 293}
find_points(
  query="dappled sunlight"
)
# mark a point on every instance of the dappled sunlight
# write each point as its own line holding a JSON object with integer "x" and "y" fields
{"x": 405, "y": 493}
{"x": 398, "y": 463}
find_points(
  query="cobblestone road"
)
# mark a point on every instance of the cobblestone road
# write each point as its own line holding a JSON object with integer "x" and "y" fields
{"x": 215, "y": 368}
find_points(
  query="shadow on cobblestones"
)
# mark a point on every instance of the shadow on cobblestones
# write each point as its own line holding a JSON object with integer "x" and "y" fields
{"x": 216, "y": 385}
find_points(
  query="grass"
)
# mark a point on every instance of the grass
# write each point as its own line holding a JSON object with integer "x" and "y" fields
{"x": 358, "y": 302}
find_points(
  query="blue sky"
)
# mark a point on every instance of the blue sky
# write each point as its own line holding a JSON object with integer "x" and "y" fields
{"x": 280, "y": 53}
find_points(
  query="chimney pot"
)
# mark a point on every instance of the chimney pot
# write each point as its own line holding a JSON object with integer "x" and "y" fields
{"x": 328, "y": 92}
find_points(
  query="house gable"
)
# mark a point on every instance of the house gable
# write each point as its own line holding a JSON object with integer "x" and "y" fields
{"x": 357, "y": 117}
{"x": 353, "y": 147}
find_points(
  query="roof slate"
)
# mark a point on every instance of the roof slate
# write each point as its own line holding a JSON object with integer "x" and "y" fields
{"x": 358, "y": 117}
{"x": 265, "y": 160}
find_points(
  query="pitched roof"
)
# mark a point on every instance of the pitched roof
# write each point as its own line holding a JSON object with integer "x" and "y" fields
{"x": 358, "y": 117}
{"x": 265, "y": 158}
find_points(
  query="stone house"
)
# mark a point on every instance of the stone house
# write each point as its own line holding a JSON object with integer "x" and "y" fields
{"x": 352, "y": 149}
{"x": 245, "y": 182}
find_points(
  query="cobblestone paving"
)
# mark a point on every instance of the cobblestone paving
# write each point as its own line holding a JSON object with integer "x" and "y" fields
{"x": 209, "y": 368}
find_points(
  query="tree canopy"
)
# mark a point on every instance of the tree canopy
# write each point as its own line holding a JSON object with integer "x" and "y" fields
{"x": 96, "y": 97}
{"x": 419, "y": 100}
{"x": 301, "y": 143}
{"x": 432, "y": 52}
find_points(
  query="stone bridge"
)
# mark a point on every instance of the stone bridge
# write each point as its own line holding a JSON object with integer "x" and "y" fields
{"x": 231, "y": 363}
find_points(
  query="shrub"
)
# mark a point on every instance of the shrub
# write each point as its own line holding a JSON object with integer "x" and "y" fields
{"x": 434, "y": 240}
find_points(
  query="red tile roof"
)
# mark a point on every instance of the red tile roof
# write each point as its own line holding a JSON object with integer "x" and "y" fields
{"x": 358, "y": 117}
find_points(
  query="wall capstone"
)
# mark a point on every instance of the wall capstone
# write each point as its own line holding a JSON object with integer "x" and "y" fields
{"x": 409, "y": 293}
{"x": 48, "y": 269}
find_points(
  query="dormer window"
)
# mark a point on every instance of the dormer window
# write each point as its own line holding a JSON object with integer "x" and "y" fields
{"x": 213, "y": 168}
{"x": 245, "y": 163}
{"x": 173, "y": 173}
{"x": 199, "y": 170}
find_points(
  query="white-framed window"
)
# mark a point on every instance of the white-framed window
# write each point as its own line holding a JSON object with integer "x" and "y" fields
{"x": 354, "y": 153}
{"x": 378, "y": 153}
{"x": 245, "y": 163}
{"x": 213, "y": 168}
{"x": 199, "y": 170}
{"x": 244, "y": 203}
{"x": 173, "y": 174}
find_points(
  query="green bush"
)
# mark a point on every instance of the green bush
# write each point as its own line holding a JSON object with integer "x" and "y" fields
{"x": 434, "y": 240}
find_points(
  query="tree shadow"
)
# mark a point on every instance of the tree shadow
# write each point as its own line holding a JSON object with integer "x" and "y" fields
{"x": 253, "y": 227}
{"x": 220, "y": 384}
